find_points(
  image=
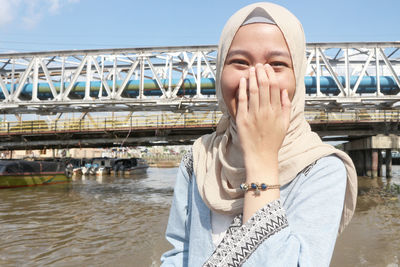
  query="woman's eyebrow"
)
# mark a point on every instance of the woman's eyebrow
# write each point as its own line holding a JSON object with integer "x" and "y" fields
{"x": 238, "y": 52}
{"x": 278, "y": 53}
{"x": 268, "y": 55}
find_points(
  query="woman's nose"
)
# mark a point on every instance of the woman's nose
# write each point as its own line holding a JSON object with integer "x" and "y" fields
{"x": 247, "y": 72}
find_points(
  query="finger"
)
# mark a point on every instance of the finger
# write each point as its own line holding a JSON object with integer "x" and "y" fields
{"x": 286, "y": 107}
{"x": 253, "y": 92}
{"x": 275, "y": 94}
{"x": 263, "y": 86}
{"x": 242, "y": 98}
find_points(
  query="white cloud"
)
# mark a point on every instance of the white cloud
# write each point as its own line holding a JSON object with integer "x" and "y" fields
{"x": 6, "y": 12}
{"x": 54, "y": 6}
{"x": 29, "y": 12}
{"x": 31, "y": 21}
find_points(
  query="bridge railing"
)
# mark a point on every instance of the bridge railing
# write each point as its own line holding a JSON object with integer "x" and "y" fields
{"x": 175, "y": 120}
{"x": 352, "y": 116}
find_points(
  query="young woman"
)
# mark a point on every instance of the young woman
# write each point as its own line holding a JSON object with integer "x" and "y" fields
{"x": 262, "y": 190}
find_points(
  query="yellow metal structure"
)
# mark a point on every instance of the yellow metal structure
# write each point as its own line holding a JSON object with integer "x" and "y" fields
{"x": 174, "y": 120}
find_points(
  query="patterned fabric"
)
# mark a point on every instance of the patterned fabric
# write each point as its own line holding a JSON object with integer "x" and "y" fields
{"x": 241, "y": 240}
{"x": 188, "y": 162}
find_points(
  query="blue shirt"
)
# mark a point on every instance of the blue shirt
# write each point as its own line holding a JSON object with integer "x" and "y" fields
{"x": 300, "y": 229}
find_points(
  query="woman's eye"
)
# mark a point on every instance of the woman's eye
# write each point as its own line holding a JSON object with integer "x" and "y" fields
{"x": 279, "y": 64}
{"x": 239, "y": 62}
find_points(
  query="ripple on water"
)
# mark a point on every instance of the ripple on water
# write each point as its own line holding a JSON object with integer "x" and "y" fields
{"x": 120, "y": 221}
{"x": 89, "y": 222}
{"x": 373, "y": 236}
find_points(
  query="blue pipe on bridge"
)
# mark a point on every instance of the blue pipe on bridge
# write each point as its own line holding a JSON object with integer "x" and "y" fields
{"x": 327, "y": 85}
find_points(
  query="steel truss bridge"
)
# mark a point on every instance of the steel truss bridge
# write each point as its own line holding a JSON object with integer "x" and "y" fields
{"x": 352, "y": 85}
{"x": 339, "y": 75}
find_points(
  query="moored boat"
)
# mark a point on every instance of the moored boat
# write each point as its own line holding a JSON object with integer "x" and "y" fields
{"x": 75, "y": 166}
{"x": 102, "y": 166}
{"x": 129, "y": 166}
{"x": 24, "y": 173}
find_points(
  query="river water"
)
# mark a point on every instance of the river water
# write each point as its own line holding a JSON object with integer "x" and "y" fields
{"x": 120, "y": 221}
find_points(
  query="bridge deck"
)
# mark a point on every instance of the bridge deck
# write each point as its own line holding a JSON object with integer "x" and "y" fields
{"x": 173, "y": 128}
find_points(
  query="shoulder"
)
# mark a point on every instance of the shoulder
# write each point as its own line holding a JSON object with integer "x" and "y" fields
{"x": 329, "y": 164}
{"x": 328, "y": 169}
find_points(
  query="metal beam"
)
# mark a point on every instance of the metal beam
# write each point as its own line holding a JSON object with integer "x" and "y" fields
{"x": 344, "y": 65}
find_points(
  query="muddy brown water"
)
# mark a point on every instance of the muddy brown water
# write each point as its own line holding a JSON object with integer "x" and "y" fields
{"x": 120, "y": 221}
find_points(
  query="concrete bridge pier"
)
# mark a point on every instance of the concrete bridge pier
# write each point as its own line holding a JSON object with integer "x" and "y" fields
{"x": 388, "y": 162}
{"x": 366, "y": 162}
{"x": 366, "y": 154}
{"x": 374, "y": 163}
{"x": 380, "y": 162}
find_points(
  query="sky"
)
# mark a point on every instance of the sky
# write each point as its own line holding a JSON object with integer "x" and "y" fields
{"x": 45, "y": 25}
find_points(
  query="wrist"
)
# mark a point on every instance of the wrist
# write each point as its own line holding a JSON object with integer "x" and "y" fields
{"x": 260, "y": 157}
{"x": 265, "y": 175}
{"x": 263, "y": 170}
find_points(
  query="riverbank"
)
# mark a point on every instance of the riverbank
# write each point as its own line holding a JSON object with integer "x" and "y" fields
{"x": 163, "y": 160}
{"x": 157, "y": 156}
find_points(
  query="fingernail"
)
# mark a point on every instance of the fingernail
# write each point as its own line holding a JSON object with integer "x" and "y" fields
{"x": 266, "y": 65}
{"x": 252, "y": 69}
{"x": 258, "y": 65}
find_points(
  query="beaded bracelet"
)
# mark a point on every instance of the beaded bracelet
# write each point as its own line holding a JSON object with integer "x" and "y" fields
{"x": 257, "y": 187}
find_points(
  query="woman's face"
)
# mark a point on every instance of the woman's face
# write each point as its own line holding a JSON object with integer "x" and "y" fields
{"x": 256, "y": 43}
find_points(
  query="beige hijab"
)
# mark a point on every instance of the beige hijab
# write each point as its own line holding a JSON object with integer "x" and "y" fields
{"x": 218, "y": 157}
